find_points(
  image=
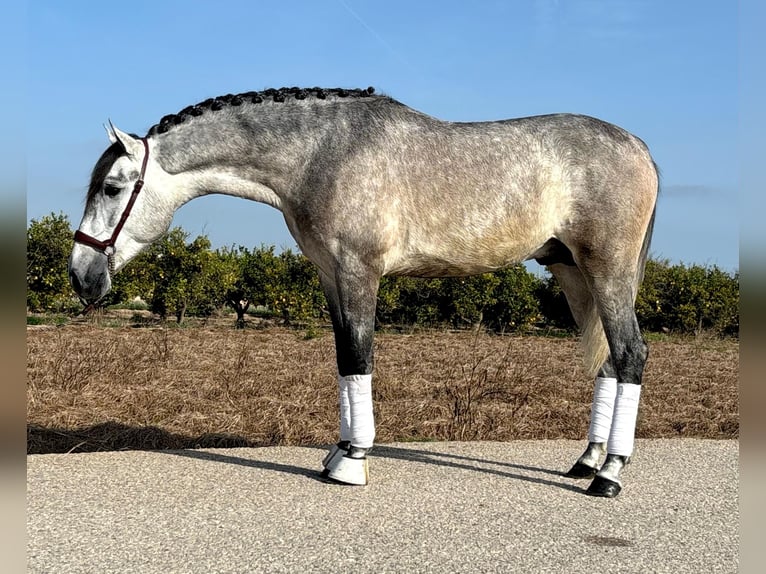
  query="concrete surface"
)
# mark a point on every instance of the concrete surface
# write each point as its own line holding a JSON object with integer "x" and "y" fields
{"x": 430, "y": 507}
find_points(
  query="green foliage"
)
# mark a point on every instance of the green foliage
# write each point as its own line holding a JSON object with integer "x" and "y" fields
{"x": 235, "y": 296}
{"x": 503, "y": 300}
{"x": 465, "y": 299}
{"x": 48, "y": 319}
{"x": 517, "y": 305}
{"x": 262, "y": 276}
{"x": 410, "y": 301}
{"x": 688, "y": 300}
{"x": 177, "y": 276}
{"x": 287, "y": 284}
{"x": 187, "y": 276}
{"x": 553, "y": 304}
{"x": 136, "y": 279}
{"x": 49, "y": 243}
{"x": 302, "y": 297}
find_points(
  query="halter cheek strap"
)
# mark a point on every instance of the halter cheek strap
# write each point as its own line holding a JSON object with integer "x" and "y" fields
{"x": 107, "y": 246}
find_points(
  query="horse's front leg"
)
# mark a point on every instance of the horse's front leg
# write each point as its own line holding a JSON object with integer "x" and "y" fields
{"x": 352, "y": 300}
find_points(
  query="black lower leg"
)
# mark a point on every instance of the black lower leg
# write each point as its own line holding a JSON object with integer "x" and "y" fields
{"x": 352, "y": 309}
{"x": 628, "y": 354}
{"x": 587, "y": 465}
{"x": 606, "y": 483}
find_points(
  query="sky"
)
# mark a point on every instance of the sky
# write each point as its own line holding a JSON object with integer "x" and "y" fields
{"x": 665, "y": 71}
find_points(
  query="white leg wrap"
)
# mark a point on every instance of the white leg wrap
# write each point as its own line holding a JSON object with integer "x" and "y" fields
{"x": 602, "y": 408}
{"x": 621, "y": 437}
{"x": 361, "y": 426}
{"x": 345, "y": 409}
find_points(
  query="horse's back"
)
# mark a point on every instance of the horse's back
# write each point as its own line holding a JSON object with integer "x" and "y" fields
{"x": 425, "y": 197}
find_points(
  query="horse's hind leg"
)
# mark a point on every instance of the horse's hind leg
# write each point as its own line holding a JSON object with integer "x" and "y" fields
{"x": 351, "y": 299}
{"x": 615, "y": 298}
{"x": 585, "y": 313}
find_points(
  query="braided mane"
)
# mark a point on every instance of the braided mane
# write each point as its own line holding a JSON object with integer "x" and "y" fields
{"x": 271, "y": 94}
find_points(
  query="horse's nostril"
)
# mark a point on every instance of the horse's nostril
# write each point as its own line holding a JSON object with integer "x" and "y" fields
{"x": 76, "y": 285}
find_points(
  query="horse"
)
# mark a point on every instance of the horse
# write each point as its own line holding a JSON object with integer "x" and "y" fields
{"x": 370, "y": 187}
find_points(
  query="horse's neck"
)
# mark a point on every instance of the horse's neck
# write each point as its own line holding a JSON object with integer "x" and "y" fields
{"x": 222, "y": 179}
{"x": 238, "y": 159}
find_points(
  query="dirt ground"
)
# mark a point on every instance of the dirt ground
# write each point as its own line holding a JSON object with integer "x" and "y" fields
{"x": 92, "y": 386}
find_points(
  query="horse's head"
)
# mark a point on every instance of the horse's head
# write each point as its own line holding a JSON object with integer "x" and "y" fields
{"x": 122, "y": 215}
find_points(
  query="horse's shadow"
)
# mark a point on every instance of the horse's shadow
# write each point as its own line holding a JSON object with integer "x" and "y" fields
{"x": 406, "y": 454}
{"x": 249, "y": 462}
{"x": 474, "y": 464}
{"x": 113, "y": 436}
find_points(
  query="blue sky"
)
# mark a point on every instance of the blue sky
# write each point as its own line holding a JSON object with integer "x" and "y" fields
{"x": 666, "y": 71}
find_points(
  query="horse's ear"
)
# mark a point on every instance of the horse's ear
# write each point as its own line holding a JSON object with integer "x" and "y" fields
{"x": 132, "y": 145}
{"x": 110, "y": 132}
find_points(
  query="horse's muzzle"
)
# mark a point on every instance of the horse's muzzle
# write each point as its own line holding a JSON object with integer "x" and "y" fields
{"x": 90, "y": 282}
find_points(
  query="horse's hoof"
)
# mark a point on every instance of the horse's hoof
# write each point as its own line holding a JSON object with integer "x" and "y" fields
{"x": 337, "y": 450}
{"x": 580, "y": 470}
{"x": 348, "y": 470}
{"x": 603, "y": 487}
{"x": 346, "y": 464}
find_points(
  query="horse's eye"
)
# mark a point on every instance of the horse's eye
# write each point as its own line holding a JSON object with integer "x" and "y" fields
{"x": 111, "y": 190}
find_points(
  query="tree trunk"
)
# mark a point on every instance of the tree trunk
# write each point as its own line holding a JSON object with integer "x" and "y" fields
{"x": 180, "y": 312}
{"x": 241, "y": 309}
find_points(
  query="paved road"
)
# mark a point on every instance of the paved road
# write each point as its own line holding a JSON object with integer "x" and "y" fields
{"x": 430, "y": 507}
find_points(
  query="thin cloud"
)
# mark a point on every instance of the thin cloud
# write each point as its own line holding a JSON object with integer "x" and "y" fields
{"x": 380, "y": 39}
{"x": 688, "y": 190}
{"x": 597, "y": 19}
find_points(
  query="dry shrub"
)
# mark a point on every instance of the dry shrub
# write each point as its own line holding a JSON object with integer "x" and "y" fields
{"x": 102, "y": 388}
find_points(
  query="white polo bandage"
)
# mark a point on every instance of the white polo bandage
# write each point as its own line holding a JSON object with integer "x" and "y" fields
{"x": 345, "y": 410}
{"x": 622, "y": 435}
{"x": 357, "y": 421}
{"x": 604, "y": 393}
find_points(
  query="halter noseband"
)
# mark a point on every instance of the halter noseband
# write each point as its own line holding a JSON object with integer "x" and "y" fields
{"x": 107, "y": 247}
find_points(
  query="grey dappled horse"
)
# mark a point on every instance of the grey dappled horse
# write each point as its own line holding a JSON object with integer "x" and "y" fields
{"x": 370, "y": 187}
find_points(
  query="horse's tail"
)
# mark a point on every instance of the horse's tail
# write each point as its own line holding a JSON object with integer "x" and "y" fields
{"x": 595, "y": 345}
{"x": 647, "y": 238}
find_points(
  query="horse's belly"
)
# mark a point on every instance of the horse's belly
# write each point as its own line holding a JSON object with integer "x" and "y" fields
{"x": 466, "y": 243}
{"x": 456, "y": 262}
{"x": 429, "y": 267}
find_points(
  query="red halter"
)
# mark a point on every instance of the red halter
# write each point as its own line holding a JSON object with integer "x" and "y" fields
{"x": 107, "y": 247}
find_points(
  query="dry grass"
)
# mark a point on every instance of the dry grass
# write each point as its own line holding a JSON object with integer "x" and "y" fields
{"x": 104, "y": 388}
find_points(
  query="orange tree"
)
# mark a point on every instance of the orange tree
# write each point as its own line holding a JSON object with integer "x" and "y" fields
{"x": 187, "y": 276}
{"x": 688, "y": 299}
{"x": 516, "y": 305}
{"x": 286, "y": 284}
{"x": 49, "y": 243}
